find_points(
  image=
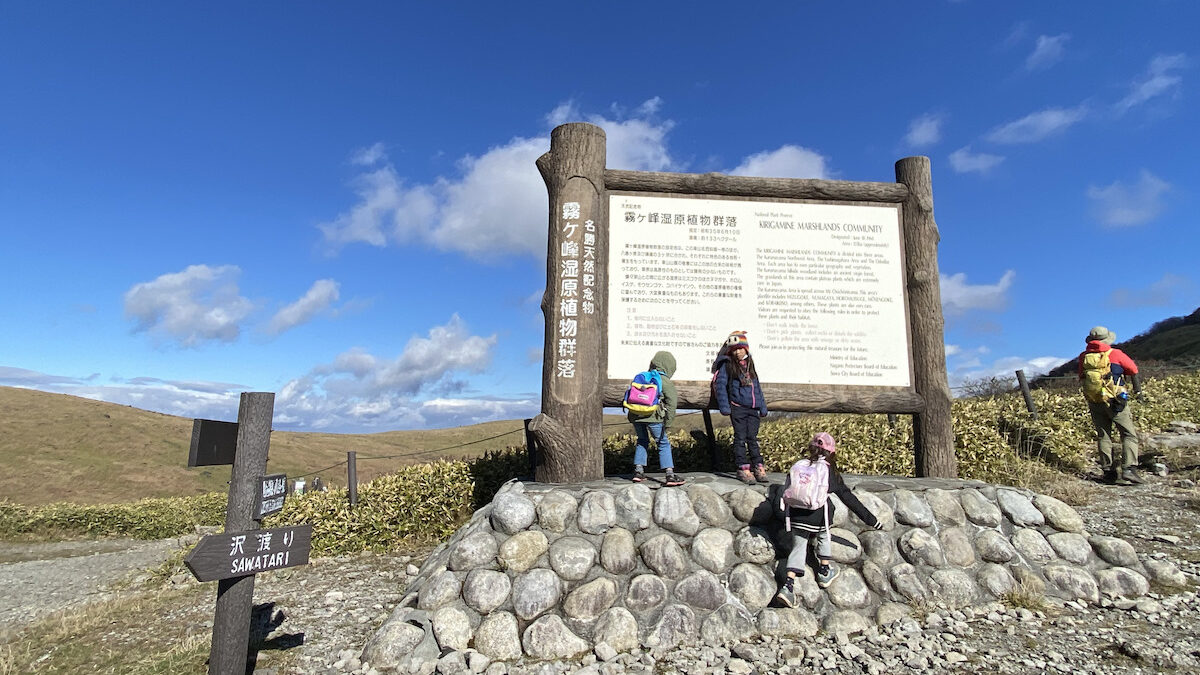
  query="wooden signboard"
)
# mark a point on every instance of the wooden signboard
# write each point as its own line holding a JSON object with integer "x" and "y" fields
{"x": 238, "y": 554}
{"x": 271, "y": 492}
{"x": 214, "y": 443}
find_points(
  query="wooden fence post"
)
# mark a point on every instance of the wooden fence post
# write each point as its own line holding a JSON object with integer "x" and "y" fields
{"x": 352, "y": 476}
{"x": 230, "y": 651}
{"x": 1029, "y": 404}
{"x": 933, "y": 437}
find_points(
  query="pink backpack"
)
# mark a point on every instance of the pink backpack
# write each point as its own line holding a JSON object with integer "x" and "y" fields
{"x": 808, "y": 486}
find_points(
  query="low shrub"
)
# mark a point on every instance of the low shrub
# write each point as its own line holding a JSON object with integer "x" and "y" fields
{"x": 143, "y": 519}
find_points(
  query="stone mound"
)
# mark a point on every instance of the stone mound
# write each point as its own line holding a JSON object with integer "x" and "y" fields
{"x": 553, "y": 571}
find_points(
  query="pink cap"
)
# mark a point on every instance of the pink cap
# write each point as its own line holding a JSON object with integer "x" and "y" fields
{"x": 823, "y": 441}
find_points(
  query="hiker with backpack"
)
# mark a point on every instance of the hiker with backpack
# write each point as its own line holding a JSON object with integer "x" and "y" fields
{"x": 740, "y": 397}
{"x": 1102, "y": 371}
{"x": 650, "y": 402}
{"x": 808, "y": 511}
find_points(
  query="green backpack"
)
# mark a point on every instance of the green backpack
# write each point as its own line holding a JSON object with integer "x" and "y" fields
{"x": 1099, "y": 385}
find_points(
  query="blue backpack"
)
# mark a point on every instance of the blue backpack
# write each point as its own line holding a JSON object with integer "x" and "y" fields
{"x": 644, "y": 393}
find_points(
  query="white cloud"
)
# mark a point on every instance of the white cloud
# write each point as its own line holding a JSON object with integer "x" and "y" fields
{"x": 963, "y": 160}
{"x": 319, "y": 297}
{"x": 198, "y": 304}
{"x": 496, "y": 206}
{"x": 958, "y": 296}
{"x": 924, "y": 131}
{"x": 207, "y": 400}
{"x": 1037, "y": 126}
{"x": 1160, "y": 78}
{"x": 788, "y": 161}
{"x": 1047, "y": 52}
{"x": 1120, "y": 205}
{"x": 369, "y": 155}
{"x": 1158, "y": 294}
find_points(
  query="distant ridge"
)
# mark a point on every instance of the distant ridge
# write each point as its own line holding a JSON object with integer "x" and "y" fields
{"x": 1170, "y": 342}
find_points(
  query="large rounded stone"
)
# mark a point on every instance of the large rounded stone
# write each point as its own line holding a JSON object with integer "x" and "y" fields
{"x": 664, "y": 555}
{"x": 477, "y": 549}
{"x": 879, "y": 547}
{"x": 912, "y": 510}
{"x": 393, "y": 642}
{"x": 522, "y": 550}
{"x": 995, "y": 579}
{"x": 535, "y": 592}
{"x": 753, "y": 544}
{"x": 618, "y": 629}
{"x": 891, "y": 612}
{"x": 947, "y": 509}
{"x": 512, "y": 512}
{"x": 440, "y": 590}
{"x": 1115, "y": 551}
{"x": 1019, "y": 509}
{"x": 549, "y": 638}
{"x": 1166, "y": 573}
{"x": 753, "y": 585}
{"x": 591, "y": 599}
{"x": 907, "y": 583}
{"x": 708, "y": 505}
{"x": 844, "y": 546}
{"x": 452, "y": 628}
{"x": 572, "y": 557}
{"x": 729, "y": 624}
{"x": 993, "y": 547}
{"x": 1032, "y": 545}
{"x": 712, "y": 549}
{"x": 846, "y": 622}
{"x": 632, "y": 505}
{"x": 839, "y": 510}
{"x": 1028, "y": 579}
{"x": 646, "y": 592}
{"x": 1071, "y": 547}
{"x": 978, "y": 509}
{"x": 1122, "y": 582}
{"x": 848, "y": 590}
{"x": 957, "y": 546}
{"x": 556, "y": 510}
{"x": 701, "y": 589}
{"x": 807, "y": 591}
{"x": 597, "y": 512}
{"x": 1074, "y": 583}
{"x": 485, "y": 590}
{"x": 750, "y": 506}
{"x": 497, "y": 637}
{"x": 918, "y": 547}
{"x": 673, "y": 512}
{"x": 876, "y": 579}
{"x": 952, "y": 587}
{"x": 877, "y": 506}
{"x": 618, "y": 555}
{"x": 1058, "y": 515}
{"x": 787, "y": 623}
{"x": 676, "y": 625}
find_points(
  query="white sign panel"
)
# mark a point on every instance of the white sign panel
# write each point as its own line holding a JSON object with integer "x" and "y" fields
{"x": 819, "y": 288}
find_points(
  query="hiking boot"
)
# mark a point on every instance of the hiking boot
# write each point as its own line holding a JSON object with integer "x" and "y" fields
{"x": 786, "y": 596}
{"x": 825, "y": 575}
{"x": 1131, "y": 475}
{"x": 673, "y": 480}
{"x": 760, "y": 474}
{"x": 745, "y": 476}
{"x": 1109, "y": 477}
{"x": 639, "y": 474}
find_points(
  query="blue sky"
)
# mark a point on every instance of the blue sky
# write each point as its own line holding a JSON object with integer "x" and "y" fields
{"x": 338, "y": 202}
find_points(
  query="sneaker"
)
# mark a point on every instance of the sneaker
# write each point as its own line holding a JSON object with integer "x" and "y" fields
{"x": 745, "y": 476}
{"x": 786, "y": 596}
{"x": 1131, "y": 475}
{"x": 673, "y": 480}
{"x": 760, "y": 474}
{"x": 825, "y": 575}
{"x": 639, "y": 474}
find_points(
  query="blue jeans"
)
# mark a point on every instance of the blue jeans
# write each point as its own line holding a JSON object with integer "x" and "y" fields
{"x": 644, "y": 431}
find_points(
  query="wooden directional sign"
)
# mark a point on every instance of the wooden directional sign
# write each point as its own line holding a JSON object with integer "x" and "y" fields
{"x": 271, "y": 492}
{"x": 214, "y": 443}
{"x": 239, "y": 554}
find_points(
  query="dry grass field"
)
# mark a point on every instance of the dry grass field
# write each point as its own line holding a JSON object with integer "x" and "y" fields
{"x": 55, "y": 447}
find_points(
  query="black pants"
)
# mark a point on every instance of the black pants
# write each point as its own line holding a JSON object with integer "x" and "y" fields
{"x": 745, "y": 435}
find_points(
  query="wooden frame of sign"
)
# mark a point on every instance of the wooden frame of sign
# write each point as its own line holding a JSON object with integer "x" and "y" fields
{"x": 881, "y": 376}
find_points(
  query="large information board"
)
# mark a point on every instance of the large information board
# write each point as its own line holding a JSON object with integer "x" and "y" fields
{"x": 818, "y": 287}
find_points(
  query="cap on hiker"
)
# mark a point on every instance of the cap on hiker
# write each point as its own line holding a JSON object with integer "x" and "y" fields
{"x": 1101, "y": 334}
{"x": 823, "y": 441}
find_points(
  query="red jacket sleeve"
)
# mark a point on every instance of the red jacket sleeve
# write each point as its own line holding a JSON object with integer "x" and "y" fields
{"x": 1121, "y": 359}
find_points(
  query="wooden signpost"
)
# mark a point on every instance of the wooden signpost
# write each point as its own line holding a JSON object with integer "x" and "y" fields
{"x": 233, "y": 557}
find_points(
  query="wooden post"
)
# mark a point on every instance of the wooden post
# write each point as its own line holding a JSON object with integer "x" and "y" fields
{"x": 568, "y": 429}
{"x": 892, "y": 419}
{"x": 1029, "y": 404}
{"x": 712, "y": 439}
{"x": 352, "y": 475}
{"x": 230, "y": 652}
{"x": 933, "y": 437}
{"x": 530, "y": 448}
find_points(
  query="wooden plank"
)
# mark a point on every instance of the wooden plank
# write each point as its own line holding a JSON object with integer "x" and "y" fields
{"x": 744, "y": 186}
{"x": 237, "y": 554}
{"x": 213, "y": 443}
{"x": 794, "y": 398}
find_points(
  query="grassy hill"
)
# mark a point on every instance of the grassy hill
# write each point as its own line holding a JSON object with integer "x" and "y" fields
{"x": 1173, "y": 342}
{"x": 55, "y": 447}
